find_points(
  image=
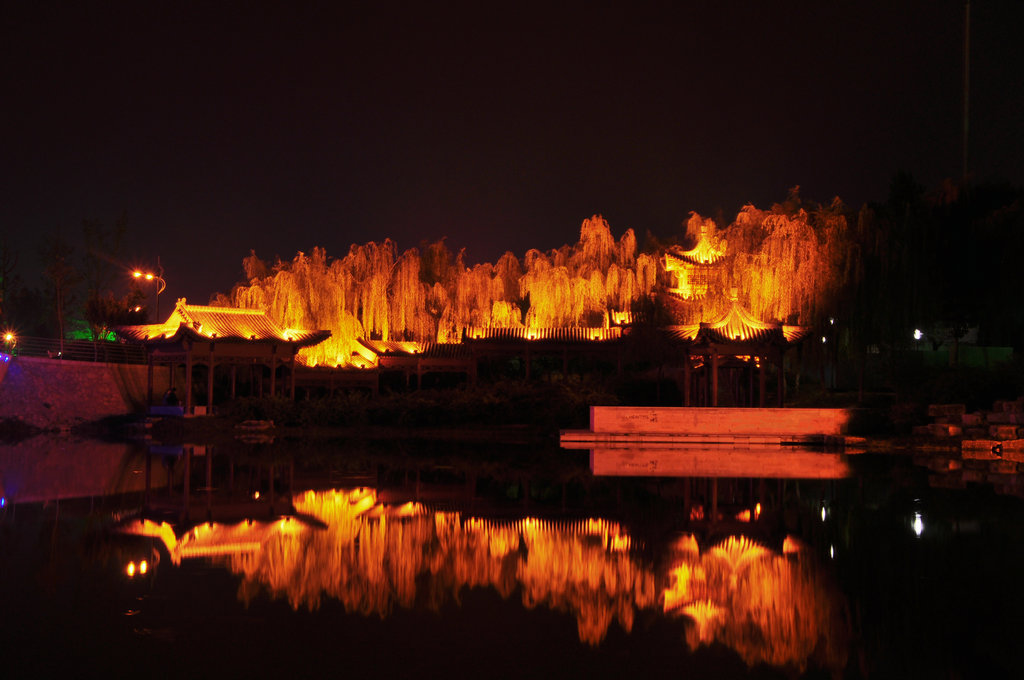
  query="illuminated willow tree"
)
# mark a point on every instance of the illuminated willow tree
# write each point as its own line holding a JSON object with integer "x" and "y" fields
{"x": 789, "y": 263}
{"x": 424, "y": 294}
{"x": 784, "y": 264}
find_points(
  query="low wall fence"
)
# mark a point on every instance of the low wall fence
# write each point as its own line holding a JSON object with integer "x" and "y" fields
{"x": 77, "y": 350}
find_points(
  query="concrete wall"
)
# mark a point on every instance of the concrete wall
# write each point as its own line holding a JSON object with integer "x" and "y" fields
{"x": 723, "y": 421}
{"x": 54, "y": 394}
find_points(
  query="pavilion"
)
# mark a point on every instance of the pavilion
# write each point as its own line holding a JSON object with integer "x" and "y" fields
{"x": 737, "y": 341}
{"x": 220, "y": 336}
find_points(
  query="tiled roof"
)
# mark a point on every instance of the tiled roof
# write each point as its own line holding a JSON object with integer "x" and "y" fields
{"x": 704, "y": 253}
{"x": 738, "y": 325}
{"x": 427, "y": 350}
{"x": 219, "y": 323}
{"x": 484, "y": 334}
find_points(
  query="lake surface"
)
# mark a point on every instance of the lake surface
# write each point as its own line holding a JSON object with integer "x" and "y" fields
{"x": 457, "y": 560}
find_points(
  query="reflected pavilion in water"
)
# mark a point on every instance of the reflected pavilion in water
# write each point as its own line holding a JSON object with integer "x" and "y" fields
{"x": 703, "y": 561}
{"x": 730, "y": 572}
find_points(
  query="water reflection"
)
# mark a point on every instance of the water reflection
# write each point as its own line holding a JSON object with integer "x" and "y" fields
{"x": 774, "y": 462}
{"x": 374, "y": 557}
{"x": 44, "y": 468}
{"x": 692, "y": 566}
{"x": 772, "y": 608}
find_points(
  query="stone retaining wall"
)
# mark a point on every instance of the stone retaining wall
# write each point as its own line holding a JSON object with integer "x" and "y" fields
{"x": 55, "y": 394}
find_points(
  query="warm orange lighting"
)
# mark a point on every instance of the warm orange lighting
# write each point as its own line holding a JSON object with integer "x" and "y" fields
{"x": 8, "y": 337}
{"x": 374, "y": 557}
{"x": 770, "y": 608}
{"x": 776, "y": 265}
{"x": 143, "y": 567}
{"x": 130, "y": 570}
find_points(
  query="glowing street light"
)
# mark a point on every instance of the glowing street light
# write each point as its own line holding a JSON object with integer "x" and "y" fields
{"x": 918, "y": 524}
{"x": 159, "y": 278}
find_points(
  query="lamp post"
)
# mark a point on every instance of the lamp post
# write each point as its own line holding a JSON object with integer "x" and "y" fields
{"x": 159, "y": 278}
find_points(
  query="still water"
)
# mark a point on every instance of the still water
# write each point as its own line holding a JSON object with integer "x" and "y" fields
{"x": 396, "y": 559}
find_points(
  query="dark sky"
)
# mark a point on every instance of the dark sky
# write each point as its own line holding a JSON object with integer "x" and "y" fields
{"x": 224, "y": 127}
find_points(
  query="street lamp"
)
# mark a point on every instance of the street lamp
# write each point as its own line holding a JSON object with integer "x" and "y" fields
{"x": 159, "y": 278}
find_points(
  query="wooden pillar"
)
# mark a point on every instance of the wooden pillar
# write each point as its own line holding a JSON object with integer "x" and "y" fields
{"x": 750, "y": 382}
{"x": 291, "y": 374}
{"x": 149, "y": 478}
{"x": 780, "y": 362}
{"x": 209, "y": 482}
{"x": 762, "y": 381}
{"x": 527, "y": 362}
{"x": 714, "y": 500}
{"x": 714, "y": 376}
{"x": 188, "y": 480}
{"x": 209, "y": 383}
{"x": 270, "y": 483}
{"x": 149, "y": 379}
{"x": 273, "y": 371}
{"x": 687, "y": 375}
{"x": 188, "y": 377}
{"x": 234, "y": 379}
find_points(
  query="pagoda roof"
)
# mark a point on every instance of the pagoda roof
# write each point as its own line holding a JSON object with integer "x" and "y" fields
{"x": 704, "y": 253}
{"x": 219, "y": 323}
{"x": 739, "y": 326}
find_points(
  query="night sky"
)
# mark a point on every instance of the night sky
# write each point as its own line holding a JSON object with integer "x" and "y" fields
{"x": 223, "y": 127}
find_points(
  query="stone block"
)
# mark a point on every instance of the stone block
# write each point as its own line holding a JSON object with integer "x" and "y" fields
{"x": 1002, "y": 406}
{"x": 1012, "y": 450}
{"x": 1005, "y": 418}
{"x": 1002, "y": 467}
{"x": 976, "y": 476}
{"x": 978, "y": 444}
{"x": 1002, "y": 432}
{"x": 1002, "y": 480}
{"x": 946, "y": 410}
{"x": 971, "y": 419}
{"x": 945, "y": 430}
{"x": 980, "y": 454}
